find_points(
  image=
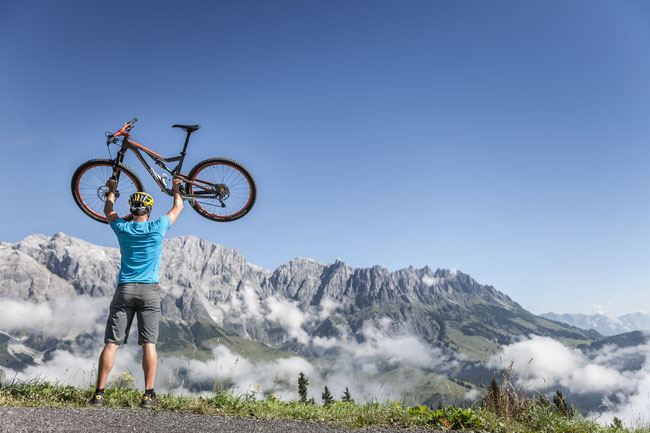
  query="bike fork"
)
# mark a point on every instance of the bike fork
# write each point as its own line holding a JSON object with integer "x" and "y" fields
{"x": 118, "y": 160}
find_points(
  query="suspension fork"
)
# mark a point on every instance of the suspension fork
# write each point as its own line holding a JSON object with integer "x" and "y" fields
{"x": 119, "y": 159}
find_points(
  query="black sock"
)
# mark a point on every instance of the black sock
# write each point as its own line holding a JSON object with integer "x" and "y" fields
{"x": 99, "y": 391}
{"x": 149, "y": 392}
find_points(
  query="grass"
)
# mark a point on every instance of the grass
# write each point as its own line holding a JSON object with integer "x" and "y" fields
{"x": 501, "y": 412}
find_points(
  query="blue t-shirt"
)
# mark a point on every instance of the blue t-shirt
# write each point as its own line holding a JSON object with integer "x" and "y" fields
{"x": 141, "y": 248}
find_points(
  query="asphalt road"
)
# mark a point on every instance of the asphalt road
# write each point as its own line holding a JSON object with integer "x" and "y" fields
{"x": 47, "y": 419}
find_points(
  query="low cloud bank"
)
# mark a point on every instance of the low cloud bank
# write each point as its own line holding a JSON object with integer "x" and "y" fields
{"x": 379, "y": 361}
{"x": 354, "y": 360}
{"x": 228, "y": 369}
{"x": 357, "y": 361}
{"x": 618, "y": 376}
{"x": 61, "y": 318}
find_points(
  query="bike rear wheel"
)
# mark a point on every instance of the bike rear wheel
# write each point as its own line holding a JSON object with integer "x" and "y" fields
{"x": 89, "y": 188}
{"x": 224, "y": 189}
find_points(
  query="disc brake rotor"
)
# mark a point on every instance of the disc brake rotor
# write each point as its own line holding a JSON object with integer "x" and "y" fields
{"x": 102, "y": 192}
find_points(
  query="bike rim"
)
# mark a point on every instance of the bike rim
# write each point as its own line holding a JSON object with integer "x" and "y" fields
{"x": 91, "y": 184}
{"x": 239, "y": 185}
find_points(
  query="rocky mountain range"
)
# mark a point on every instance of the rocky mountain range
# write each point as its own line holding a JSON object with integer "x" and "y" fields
{"x": 290, "y": 306}
{"x": 604, "y": 324}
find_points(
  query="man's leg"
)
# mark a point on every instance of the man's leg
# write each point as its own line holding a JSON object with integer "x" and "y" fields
{"x": 149, "y": 363}
{"x": 106, "y": 360}
{"x": 148, "y": 325}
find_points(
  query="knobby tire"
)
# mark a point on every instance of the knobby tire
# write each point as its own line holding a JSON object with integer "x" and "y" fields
{"x": 232, "y": 174}
{"x": 89, "y": 180}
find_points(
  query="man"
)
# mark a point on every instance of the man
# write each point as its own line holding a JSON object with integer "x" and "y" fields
{"x": 137, "y": 290}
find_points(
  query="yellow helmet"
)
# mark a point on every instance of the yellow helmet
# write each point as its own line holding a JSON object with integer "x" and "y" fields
{"x": 139, "y": 202}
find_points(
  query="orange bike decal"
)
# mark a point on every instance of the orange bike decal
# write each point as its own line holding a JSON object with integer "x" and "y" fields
{"x": 149, "y": 151}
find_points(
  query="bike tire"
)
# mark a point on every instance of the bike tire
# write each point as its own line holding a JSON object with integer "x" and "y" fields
{"x": 238, "y": 180}
{"x": 89, "y": 183}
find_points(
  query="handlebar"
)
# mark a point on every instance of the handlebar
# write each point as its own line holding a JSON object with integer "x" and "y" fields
{"x": 124, "y": 131}
{"x": 129, "y": 125}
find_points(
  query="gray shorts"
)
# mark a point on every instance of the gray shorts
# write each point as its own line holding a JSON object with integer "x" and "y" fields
{"x": 131, "y": 299}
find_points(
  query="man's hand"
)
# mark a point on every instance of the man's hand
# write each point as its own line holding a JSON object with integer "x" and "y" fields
{"x": 178, "y": 200}
{"x": 111, "y": 184}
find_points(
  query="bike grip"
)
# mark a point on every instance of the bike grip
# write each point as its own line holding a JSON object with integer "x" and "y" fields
{"x": 135, "y": 119}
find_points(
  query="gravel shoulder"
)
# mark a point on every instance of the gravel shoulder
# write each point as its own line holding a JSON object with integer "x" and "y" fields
{"x": 48, "y": 419}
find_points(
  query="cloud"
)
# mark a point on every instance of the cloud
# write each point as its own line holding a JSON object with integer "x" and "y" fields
{"x": 379, "y": 347}
{"x": 77, "y": 368}
{"x": 288, "y": 315}
{"x": 327, "y": 307}
{"x": 278, "y": 376}
{"x": 619, "y": 376}
{"x": 244, "y": 306}
{"x": 63, "y": 317}
{"x": 398, "y": 350}
{"x": 544, "y": 363}
{"x": 431, "y": 281}
{"x": 539, "y": 363}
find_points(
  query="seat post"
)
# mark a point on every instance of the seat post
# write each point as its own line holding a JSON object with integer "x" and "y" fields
{"x": 187, "y": 140}
{"x": 189, "y": 129}
{"x": 180, "y": 163}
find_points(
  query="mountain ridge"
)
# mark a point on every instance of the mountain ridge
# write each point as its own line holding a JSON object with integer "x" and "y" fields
{"x": 604, "y": 324}
{"x": 287, "y": 307}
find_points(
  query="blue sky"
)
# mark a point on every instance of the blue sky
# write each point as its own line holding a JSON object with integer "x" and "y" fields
{"x": 506, "y": 139}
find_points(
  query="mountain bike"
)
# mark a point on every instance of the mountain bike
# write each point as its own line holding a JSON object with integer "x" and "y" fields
{"x": 218, "y": 189}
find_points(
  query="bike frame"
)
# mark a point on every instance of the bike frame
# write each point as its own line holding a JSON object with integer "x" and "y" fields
{"x": 207, "y": 188}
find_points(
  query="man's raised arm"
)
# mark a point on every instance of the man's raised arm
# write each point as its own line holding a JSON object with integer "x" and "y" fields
{"x": 178, "y": 201}
{"x": 111, "y": 215}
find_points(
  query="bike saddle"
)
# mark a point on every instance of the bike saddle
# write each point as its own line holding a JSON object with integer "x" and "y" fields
{"x": 187, "y": 128}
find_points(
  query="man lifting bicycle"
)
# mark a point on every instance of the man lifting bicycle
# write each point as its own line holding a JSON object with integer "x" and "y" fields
{"x": 137, "y": 286}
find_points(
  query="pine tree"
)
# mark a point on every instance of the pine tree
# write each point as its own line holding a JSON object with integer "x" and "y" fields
{"x": 561, "y": 405}
{"x": 617, "y": 424}
{"x": 347, "y": 398}
{"x": 302, "y": 387}
{"x": 494, "y": 398}
{"x": 327, "y": 397}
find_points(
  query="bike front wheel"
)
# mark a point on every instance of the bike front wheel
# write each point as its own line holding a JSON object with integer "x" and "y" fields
{"x": 222, "y": 189}
{"x": 89, "y": 188}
